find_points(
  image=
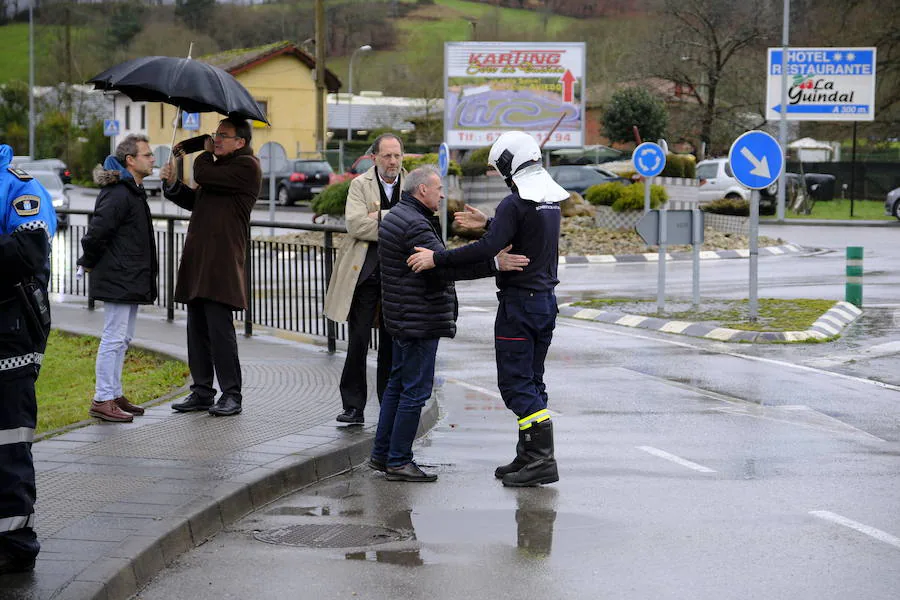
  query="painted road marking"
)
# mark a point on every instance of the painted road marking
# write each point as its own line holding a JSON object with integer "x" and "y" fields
{"x": 878, "y": 534}
{"x": 609, "y": 329}
{"x": 675, "y": 459}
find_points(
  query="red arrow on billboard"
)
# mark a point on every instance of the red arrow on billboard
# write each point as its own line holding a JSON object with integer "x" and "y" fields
{"x": 568, "y": 81}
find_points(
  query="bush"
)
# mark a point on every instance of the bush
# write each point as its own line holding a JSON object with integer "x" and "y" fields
{"x": 632, "y": 198}
{"x": 332, "y": 200}
{"x": 679, "y": 165}
{"x": 604, "y": 194}
{"x": 476, "y": 162}
{"x": 410, "y": 163}
{"x": 728, "y": 206}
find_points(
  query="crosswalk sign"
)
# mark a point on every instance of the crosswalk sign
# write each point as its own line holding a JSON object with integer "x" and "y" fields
{"x": 110, "y": 127}
{"x": 190, "y": 121}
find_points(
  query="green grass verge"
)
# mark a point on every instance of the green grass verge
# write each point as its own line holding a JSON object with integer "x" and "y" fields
{"x": 838, "y": 209}
{"x": 772, "y": 315}
{"x": 65, "y": 387}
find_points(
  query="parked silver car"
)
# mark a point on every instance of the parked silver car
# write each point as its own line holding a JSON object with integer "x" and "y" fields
{"x": 892, "y": 203}
{"x": 58, "y": 193}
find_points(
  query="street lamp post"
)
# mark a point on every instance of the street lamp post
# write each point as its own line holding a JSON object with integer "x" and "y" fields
{"x": 365, "y": 48}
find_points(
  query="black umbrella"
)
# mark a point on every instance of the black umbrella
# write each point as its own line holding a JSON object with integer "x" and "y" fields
{"x": 189, "y": 84}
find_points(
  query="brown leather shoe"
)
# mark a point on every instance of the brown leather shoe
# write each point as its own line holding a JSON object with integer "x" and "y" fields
{"x": 123, "y": 403}
{"x": 109, "y": 411}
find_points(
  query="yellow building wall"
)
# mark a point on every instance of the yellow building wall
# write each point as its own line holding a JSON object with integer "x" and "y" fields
{"x": 287, "y": 88}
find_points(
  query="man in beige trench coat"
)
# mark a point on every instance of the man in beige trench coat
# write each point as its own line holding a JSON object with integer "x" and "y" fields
{"x": 354, "y": 293}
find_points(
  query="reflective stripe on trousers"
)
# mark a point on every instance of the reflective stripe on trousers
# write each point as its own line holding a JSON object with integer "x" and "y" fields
{"x": 13, "y": 523}
{"x": 16, "y": 436}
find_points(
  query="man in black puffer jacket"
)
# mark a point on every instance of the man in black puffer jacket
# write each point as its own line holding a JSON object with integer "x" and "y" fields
{"x": 418, "y": 310}
{"x": 120, "y": 254}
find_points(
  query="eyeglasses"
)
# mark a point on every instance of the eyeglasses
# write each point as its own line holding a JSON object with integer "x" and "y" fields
{"x": 222, "y": 136}
{"x": 145, "y": 155}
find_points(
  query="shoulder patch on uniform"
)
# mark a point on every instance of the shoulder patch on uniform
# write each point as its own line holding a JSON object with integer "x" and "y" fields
{"x": 27, "y": 205}
{"x": 19, "y": 174}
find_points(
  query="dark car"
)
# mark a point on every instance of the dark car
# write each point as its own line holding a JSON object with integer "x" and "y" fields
{"x": 305, "y": 179}
{"x": 578, "y": 178}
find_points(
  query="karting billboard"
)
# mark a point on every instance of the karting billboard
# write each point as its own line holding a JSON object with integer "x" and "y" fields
{"x": 494, "y": 87}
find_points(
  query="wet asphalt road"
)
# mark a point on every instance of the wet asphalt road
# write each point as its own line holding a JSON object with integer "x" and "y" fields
{"x": 689, "y": 469}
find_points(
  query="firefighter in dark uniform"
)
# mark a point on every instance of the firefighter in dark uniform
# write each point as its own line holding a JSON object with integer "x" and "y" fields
{"x": 529, "y": 219}
{"x": 27, "y": 222}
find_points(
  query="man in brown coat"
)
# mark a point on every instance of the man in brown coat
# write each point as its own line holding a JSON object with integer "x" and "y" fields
{"x": 211, "y": 274}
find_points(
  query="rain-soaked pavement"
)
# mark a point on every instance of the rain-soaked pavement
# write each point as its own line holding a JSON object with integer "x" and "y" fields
{"x": 689, "y": 469}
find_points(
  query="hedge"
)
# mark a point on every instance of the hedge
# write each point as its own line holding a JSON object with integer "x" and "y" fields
{"x": 412, "y": 162}
{"x": 332, "y": 200}
{"x": 623, "y": 197}
{"x": 476, "y": 162}
{"x": 728, "y": 206}
{"x": 604, "y": 194}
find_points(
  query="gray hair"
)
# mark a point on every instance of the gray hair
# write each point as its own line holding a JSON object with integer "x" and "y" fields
{"x": 128, "y": 146}
{"x": 419, "y": 176}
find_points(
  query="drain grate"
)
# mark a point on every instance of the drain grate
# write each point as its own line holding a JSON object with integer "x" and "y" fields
{"x": 329, "y": 536}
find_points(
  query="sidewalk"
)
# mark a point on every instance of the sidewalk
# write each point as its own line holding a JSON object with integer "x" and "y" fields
{"x": 117, "y": 502}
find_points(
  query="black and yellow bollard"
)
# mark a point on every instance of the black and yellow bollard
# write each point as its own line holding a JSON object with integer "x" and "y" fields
{"x": 853, "y": 293}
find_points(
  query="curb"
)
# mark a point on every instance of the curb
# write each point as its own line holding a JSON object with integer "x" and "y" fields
{"x": 826, "y": 327}
{"x": 139, "y": 558}
{"x": 704, "y": 255}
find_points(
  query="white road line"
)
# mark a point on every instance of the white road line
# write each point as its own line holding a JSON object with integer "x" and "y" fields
{"x": 608, "y": 329}
{"x": 878, "y": 534}
{"x": 675, "y": 459}
{"x": 474, "y": 388}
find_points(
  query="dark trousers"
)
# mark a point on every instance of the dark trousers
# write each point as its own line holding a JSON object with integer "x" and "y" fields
{"x": 212, "y": 349}
{"x": 522, "y": 333}
{"x": 409, "y": 387}
{"x": 18, "y": 417}
{"x": 363, "y": 312}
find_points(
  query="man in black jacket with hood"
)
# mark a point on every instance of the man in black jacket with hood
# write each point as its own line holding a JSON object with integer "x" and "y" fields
{"x": 120, "y": 254}
{"x": 418, "y": 310}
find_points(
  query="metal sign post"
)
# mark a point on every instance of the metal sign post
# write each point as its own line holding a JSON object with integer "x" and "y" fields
{"x": 756, "y": 161}
{"x": 444, "y": 167}
{"x": 675, "y": 227}
{"x": 649, "y": 160}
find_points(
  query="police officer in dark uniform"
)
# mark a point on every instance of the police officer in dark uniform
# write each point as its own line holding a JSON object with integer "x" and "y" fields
{"x": 27, "y": 223}
{"x": 529, "y": 219}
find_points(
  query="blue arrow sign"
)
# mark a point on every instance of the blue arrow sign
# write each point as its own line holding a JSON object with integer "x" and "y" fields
{"x": 649, "y": 159}
{"x": 444, "y": 159}
{"x": 756, "y": 160}
{"x": 110, "y": 127}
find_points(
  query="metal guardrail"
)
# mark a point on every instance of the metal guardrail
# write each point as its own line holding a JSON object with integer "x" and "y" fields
{"x": 286, "y": 281}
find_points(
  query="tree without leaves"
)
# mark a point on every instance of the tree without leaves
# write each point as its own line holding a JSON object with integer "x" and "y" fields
{"x": 634, "y": 107}
{"x": 700, "y": 43}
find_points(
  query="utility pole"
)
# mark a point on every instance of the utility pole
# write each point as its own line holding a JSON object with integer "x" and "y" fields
{"x": 320, "y": 76}
{"x": 31, "y": 151}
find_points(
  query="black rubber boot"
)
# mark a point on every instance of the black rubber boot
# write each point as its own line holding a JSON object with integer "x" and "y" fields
{"x": 541, "y": 467}
{"x": 518, "y": 462}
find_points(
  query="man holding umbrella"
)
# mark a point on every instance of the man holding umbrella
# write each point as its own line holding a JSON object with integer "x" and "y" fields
{"x": 211, "y": 277}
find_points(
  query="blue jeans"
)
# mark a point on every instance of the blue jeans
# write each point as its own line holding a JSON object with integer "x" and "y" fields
{"x": 118, "y": 331}
{"x": 409, "y": 387}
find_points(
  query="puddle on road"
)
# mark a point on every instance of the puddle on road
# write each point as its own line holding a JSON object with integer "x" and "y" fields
{"x": 530, "y": 528}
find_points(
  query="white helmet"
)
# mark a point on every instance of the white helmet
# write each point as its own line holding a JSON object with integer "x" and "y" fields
{"x": 517, "y": 156}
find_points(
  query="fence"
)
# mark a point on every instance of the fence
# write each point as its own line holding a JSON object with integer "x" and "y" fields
{"x": 286, "y": 280}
